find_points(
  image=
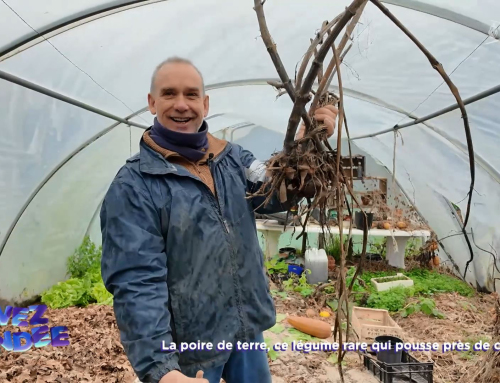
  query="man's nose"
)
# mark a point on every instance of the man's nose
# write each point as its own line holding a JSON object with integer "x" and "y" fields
{"x": 181, "y": 105}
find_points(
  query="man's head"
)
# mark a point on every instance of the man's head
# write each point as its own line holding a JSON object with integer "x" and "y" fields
{"x": 177, "y": 95}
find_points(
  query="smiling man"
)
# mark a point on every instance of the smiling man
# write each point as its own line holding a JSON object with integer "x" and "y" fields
{"x": 180, "y": 248}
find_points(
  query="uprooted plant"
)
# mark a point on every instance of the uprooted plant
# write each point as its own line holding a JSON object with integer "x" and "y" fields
{"x": 308, "y": 166}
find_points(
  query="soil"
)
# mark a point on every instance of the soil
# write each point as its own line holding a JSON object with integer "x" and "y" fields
{"x": 467, "y": 320}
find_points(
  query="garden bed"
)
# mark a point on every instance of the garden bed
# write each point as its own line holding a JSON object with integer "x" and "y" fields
{"x": 437, "y": 308}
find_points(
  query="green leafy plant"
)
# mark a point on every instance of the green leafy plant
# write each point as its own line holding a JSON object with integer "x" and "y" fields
{"x": 300, "y": 336}
{"x": 357, "y": 287}
{"x": 276, "y": 265}
{"x": 329, "y": 290}
{"x": 85, "y": 259}
{"x": 281, "y": 294}
{"x": 379, "y": 247}
{"x": 85, "y": 285}
{"x": 412, "y": 248}
{"x": 272, "y": 353}
{"x": 73, "y": 292}
{"x": 299, "y": 285}
{"x": 428, "y": 282}
{"x": 277, "y": 328}
{"x": 471, "y": 354}
{"x": 392, "y": 300}
{"x": 333, "y": 247}
{"x": 425, "y": 305}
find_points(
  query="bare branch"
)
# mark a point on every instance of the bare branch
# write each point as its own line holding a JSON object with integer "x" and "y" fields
{"x": 437, "y": 66}
{"x": 271, "y": 49}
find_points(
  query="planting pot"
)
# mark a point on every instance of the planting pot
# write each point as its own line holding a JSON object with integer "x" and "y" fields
{"x": 389, "y": 356}
{"x": 359, "y": 220}
{"x": 286, "y": 252}
{"x": 380, "y": 285}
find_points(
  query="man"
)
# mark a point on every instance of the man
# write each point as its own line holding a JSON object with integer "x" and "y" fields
{"x": 180, "y": 248}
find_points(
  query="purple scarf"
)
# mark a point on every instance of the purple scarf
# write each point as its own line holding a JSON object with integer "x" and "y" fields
{"x": 192, "y": 146}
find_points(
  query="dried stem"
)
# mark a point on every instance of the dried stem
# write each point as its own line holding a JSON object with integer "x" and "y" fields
{"x": 303, "y": 94}
{"x": 271, "y": 49}
{"x": 320, "y": 72}
{"x": 314, "y": 43}
{"x": 329, "y": 73}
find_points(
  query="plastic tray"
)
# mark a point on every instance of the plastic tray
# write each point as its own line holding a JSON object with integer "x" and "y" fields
{"x": 409, "y": 371}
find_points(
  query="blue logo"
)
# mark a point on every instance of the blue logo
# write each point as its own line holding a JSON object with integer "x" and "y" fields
{"x": 40, "y": 336}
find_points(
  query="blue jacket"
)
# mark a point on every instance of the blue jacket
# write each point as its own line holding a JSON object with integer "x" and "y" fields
{"x": 182, "y": 264}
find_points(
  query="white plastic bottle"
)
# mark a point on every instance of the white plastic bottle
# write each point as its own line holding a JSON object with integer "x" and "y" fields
{"x": 316, "y": 260}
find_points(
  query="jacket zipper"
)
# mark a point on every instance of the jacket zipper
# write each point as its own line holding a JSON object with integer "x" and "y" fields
{"x": 210, "y": 163}
{"x": 226, "y": 227}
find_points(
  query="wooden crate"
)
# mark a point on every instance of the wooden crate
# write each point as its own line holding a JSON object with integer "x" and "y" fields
{"x": 370, "y": 323}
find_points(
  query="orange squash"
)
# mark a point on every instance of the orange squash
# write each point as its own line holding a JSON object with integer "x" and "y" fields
{"x": 436, "y": 261}
{"x": 313, "y": 327}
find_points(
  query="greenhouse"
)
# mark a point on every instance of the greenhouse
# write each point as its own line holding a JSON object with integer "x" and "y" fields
{"x": 74, "y": 84}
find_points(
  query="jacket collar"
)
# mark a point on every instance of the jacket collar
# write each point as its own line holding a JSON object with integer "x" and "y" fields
{"x": 152, "y": 162}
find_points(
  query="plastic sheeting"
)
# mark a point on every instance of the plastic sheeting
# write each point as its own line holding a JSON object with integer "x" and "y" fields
{"x": 38, "y": 133}
{"x": 54, "y": 223}
{"x": 106, "y": 61}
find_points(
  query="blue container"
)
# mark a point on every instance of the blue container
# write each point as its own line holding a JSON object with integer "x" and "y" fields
{"x": 295, "y": 269}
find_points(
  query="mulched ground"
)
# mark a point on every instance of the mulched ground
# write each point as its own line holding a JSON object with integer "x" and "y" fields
{"x": 94, "y": 354}
{"x": 467, "y": 320}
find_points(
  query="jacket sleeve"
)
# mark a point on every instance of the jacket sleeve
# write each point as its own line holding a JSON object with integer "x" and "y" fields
{"x": 255, "y": 172}
{"x": 134, "y": 270}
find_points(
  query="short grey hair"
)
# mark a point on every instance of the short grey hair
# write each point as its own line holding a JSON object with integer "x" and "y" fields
{"x": 174, "y": 60}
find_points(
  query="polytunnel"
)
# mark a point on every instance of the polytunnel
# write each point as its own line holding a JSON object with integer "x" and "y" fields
{"x": 74, "y": 78}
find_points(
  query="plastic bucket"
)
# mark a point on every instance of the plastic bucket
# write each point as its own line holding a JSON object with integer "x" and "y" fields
{"x": 389, "y": 356}
{"x": 359, "y": 220}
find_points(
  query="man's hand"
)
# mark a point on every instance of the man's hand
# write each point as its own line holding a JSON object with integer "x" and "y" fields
{"x": 327, "y": 115}
{"x": 178, "y": 377}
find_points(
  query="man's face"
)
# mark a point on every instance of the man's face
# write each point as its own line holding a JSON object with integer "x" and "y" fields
{"x": 177, "y": 98}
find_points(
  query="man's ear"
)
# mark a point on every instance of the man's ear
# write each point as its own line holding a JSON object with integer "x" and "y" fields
{"x": 206, "y": 105}
{"x": 151, "y": 104}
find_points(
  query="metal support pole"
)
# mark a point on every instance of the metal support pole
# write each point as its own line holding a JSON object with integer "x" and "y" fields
{"x": 440, "y": 112}
{"x": 47, "y": 92}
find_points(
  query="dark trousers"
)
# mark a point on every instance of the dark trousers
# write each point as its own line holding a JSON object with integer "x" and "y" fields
{"x": 242, "y": 367}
